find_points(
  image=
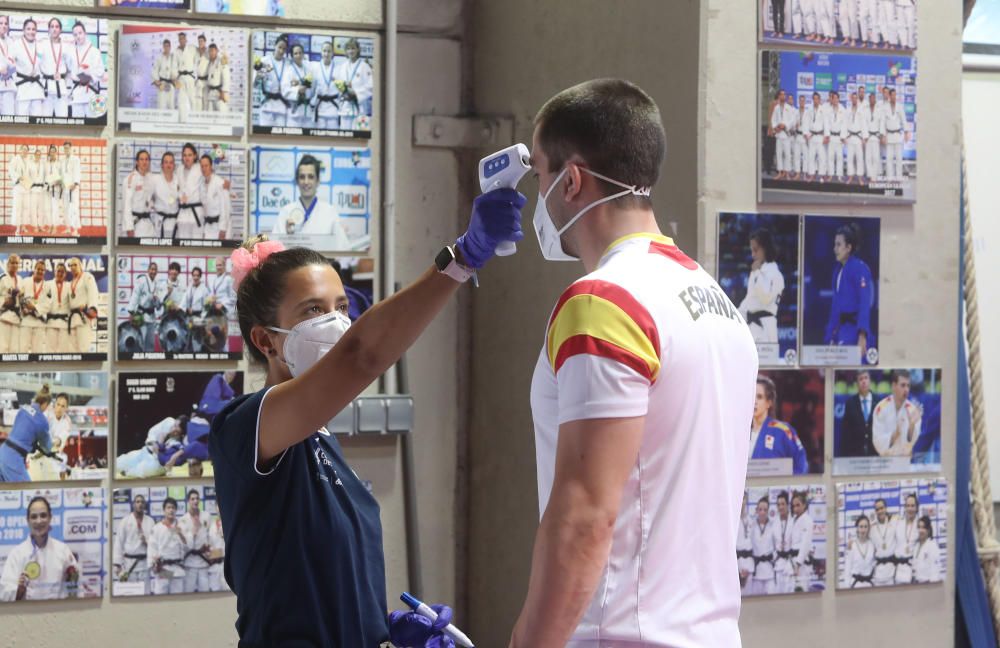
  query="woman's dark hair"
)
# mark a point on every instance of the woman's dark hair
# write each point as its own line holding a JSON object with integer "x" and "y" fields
{"x": 801, "y": 496}
{"x": 864, "y": 517}
{"x": 764, "y": 239}
{"x": 783, "y": 495}
{"x": 763, "y": 498}
{"x": 926, "y": 521}
{"x": 139, "y": 153}
{"x": 309, "y": 160}
{"x": 852, "y": 236}
{"x": 64, "y": 396}
{"x": 174, "y": 266}
{"x": 44, "y": 396}
{"x": 29, "y": 20}
{"x": 283, "y": 38}
{"x": 189, "y": 145}
{"x": 168, "y": 501}
{"x": 38, "y": 498}
{"x": 166, "y": 155}
{"x": 300, "y": 46}
{"x": 260, "y": 292}
{"x": 770, "y": 391}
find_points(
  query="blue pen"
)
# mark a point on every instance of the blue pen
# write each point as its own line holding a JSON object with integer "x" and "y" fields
{"x": 425, "y": 610}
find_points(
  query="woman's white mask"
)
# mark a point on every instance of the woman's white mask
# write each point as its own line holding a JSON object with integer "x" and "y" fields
{"x": 549, "y": 237}
{"x": 310, "y": 340}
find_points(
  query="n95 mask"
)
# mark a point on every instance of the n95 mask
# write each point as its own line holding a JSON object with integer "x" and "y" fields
{"x": 310, "y": 340}
{"x": 549, "y": 236}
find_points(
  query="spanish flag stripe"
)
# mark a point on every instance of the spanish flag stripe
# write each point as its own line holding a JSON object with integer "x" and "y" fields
{"x": 673, "y": 252}
{"x": 585, "y": 344}
{"x": 615, "y": 294}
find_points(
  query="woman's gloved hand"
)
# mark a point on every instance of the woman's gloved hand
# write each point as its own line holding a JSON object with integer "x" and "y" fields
{"x": 412, "y": 630}
{"x": 496, "y": 217}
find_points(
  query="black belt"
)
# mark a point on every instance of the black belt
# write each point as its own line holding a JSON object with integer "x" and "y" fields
{"x": 166, "y": 80}
{"x": 12, "y": 309}
{"x": 888, "y": 560}
{"x": 756, "y": 317}
{"x": 171, "y": 561}
{"x": 215, "y": 87}
{"x": 165, "y": 216}
{"x": 900, "y": 560}
{"x": 324, "y": 99}
{"x": 787, "y": 555}
{"x": 203, "y": 78}
{"x": 194, "y": 211}
{"x": 849, "y": 318}
{"x": 889, "y": 130}
{"x": 59, "y": 316}
{"x": 212, "y": 220}
{"x": 25, "y": 78}
{"x": 862, "y": 579}
{"x": 16, "y": 448}
{"x": 147, "y": 311}
{"x": 168, "y": 214}
{"x": 816, "y": 132}
{"x": 268, "y": 96}
{"x": 81, "y": 84}
{"x": 52, "y": 77}
{"x": 857, "y": 134}
{"x": 765, "y": 558}
{"x": 189, "y": 73}
{"x": 136, "y": 556}
{"x": 195, "y": 313}
{"x": 140, "y": 215}
{"x": 195, "y": 552}
{"x": 37, "y": 184}
{"x": 744, "y": 553}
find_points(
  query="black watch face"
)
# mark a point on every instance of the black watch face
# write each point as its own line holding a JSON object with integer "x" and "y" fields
{"x": 444, "y": 258}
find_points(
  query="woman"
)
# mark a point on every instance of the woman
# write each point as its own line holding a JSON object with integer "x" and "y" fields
{"x": 190, "y": 221}
{"x": 853, "y": 294}
{"x": 763, "y": 550}
{"x": 764, "y": 287}
{"x": 297, "y": 88}
{"x": 285, "y": 492}
{"x": 802, "y": 542}
{"x": 41, "y": 567}
{"x": 55, "y": 186}
{"x": 30, "y": 428}
{"x": 354, "y": 80}
{"x": 771, "y": 438}
{"x": 859, "y": 563}
{"x": 927, "y": 555}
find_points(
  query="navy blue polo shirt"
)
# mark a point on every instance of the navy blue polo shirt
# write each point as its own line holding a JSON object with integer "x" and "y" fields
{"x": 303, "y": 540}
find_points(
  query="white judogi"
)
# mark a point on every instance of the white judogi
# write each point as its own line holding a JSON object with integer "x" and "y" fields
{"x": 172, "y": 292}
{"x": 86, "y": 73}
{"x": 325, "y": 107}
{"x": 221, "y": 289}
{"x": 826, "y": 22}
{"x": 887, "y": 21}
{"x": 762, "y": 541}
{"x": 131, "y": 548}
{"x": 781, "y": 117}
{"x": 38, "y": 198}
{"x": 894, "y": 125}
{"x": 52, "y": 215}
{"x": 802, "y": 543}
{"x": 57, "y": 325}
{"x": 53, "y": 559}
{"x": 764, "y": 289}
{"x": 217, "y": 84}
{"x": 29, "y": 81}
{"x": 33, "y": 323}
{"x": 215, "y": 201}
{"x": 56, "y": 65}
{"x": 158, "y": 433}
{"x": 17, "y": 171}
{"x": 166, "y": 544}
{"x": 798, "y": 140}
{"x": 926, "y": 562}
{"x": 868, "y": 16}
{"x": 815, "y": 128}
{"x": 884, "y": 537}
{"x": 10, "y": 316}
{"x": 271, "y": 76}
{"x": 744, "y": 552}
{"x": 195, "y": 566}
{"x": 186, "y": 64}
{"x": 71, "y": 176}
{"x": 191, "y": 221}
{"x": 201, "y": 81}
{"x": 165, "y": 202}
{"x": 906, "y": 23}
{"x": 784, "y": 543}
{"x": 859, "y": 565}
{"x": 299, "y": 113}
{"x": 323, "y": 219}
{"x": 358, "y": 76}
{"x": 83, "y": 294}
{"x": 887, "y": 420}
{"x": 906, "y": 544}
{"x": 165, "y": 71}
{"x": 836, "y": 118}
{"x": 873, "y": 131}
{"x": 8, "y": 91}
{"x": 145, "y": 300}
{"x": 194, "y": 299}
{"x": 59, "y": 429}
{"x": 809, "y": 16}
{"x": 795, "y": 15}
{"x": 217, "y": 544}
{"x": 136, "y": 201}
{"x": 856, "y": 132}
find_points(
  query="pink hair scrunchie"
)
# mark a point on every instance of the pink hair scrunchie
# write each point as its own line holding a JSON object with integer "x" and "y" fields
{"x": 245, "y": 260}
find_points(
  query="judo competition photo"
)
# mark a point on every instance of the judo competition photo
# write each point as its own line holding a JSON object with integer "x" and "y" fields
{"x": 880, "y": 25}
{"x": 787, "y": 431}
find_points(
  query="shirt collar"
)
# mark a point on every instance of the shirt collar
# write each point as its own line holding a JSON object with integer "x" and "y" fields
{"x": 659, "y": 238}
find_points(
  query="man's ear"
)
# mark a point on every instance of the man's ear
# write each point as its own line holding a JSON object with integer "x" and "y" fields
{"x": 572, "y": 181}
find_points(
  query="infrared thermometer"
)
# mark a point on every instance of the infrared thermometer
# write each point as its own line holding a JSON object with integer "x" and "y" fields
{"x": 504, "y": 169}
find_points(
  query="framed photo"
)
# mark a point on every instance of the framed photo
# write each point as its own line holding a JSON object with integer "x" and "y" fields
{"x": 886, "y": 421}
{"x": 164, "y": 420}
{"x": 358, "y": 276}
{"x": 840, "y": 291}
{"x": 150, "y": 557}
{"x": 843, "y": 24}
{"x": 183, "y": 5}
{"x": 312, "y": 84}
{"x": 787, "y": 432}
{"x": 180, "y": 194}
{"x": 981, "y": 37}
{"x": 312, "y": 197}
{"x": 182, "y": 80}
{"x": 53, "y": 307}
{"x": 273, "y": 8}
{"x": 53, "y": 190}
{"x": 53, "y": 69}
{"x": 68, "y": 439}
{"x": 758, "y": 256}
{"x": 837, "y": 128}
{"x": 173, "y": 307}
{"x": 781, "y": 542}
{"x": 70, "y": 522}
{"x": 892, "y": 533}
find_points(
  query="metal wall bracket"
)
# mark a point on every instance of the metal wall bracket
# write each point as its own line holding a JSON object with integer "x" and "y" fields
{"x": 374, "y": 415}
{"x": 473, "y": 132}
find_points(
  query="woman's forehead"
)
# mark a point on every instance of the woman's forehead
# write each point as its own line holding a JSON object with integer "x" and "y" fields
{"x": 313, "y": 281}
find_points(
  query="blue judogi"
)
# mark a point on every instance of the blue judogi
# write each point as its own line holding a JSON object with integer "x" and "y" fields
{"x": 853, "y": 298}
{"x": 30, "y": 427}
{"x": 778, "y": 440}
{"x": 217, "y": 395}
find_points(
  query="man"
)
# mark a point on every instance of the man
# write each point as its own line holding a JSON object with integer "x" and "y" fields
{"x": 784, "y": 544}
{"x": 137, "y": 217}
{"x": 57, "y": 322}
{"x": 309, "y": 214}
{"x": 86, "y": 74}
{"x": 269, "y": 74}
{"x": 817, "y": 137}
{"x": 17, "y": 171}
{"x": 10, "y": 306}
{"x": 855, "y": 123}
{"x": 781, "y": 117}
{"x": 83, "y": 298}
{"x": 165, "y": 77}
{"x": 887, "y": 22}
{"x": 195, "y": 527}
{"x": 799, "y": 145}
{"x": 848, "y": 18}
{"x": 907, "y": 535}
{"x": 906, "y": 24}
{"x": 201, "y": 74}
{"x": 131, "y": 545}
{"x": 354, "y": 79}
{"x": 836, "y": 127}
{"x": 71, "y": 175}
{"x": 896, "y": 421}
{"x": 894, "y": 131}
{"x": 55, "y": 66}
{"x": 826, "y": 22}
{"x": 223, "y": 296}
{"x": 802, "y": 542}
{"x": 873, "y": 137}
{"x": 166, "y": 552}
{"x": 185, "y": 62}
{"x": 165, "y": 191}
{"x": 30, "y": 84}
{"x": 883, "y": 534}
{"x": 34, "y": 308}
{"x": 196, "y": 295}
{"x": 144, "y": 303}
{"x": 217, "y": 82}
{"x": 856, "y": 426}
{"x": 215, "y": 201}
{"x": 601, "y": 408}
{"x": 8, "y": 89}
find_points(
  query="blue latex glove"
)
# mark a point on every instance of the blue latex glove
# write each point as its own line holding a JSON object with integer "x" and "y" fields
{"x": 412, "y": 630}
{"x": 496, "y": 217}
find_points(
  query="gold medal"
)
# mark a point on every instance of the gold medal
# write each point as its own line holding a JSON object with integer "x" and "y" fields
{"x": 33, "y": 570}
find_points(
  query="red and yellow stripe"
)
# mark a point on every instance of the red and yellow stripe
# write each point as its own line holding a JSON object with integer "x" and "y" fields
{"x": 603, "y": 319}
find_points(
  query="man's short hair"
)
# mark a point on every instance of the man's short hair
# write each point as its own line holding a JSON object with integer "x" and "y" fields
{"x": 899, "y": 374}
{"x": 613, "y": 125}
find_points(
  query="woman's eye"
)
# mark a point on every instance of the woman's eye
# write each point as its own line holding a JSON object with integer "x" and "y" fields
{"x": 316, "y": 309}
{"x": 343, "y": 308}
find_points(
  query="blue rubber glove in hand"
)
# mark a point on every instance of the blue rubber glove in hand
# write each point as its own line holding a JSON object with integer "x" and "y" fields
{"x": 496, "y": 217}
{"x": 412, "y": 630}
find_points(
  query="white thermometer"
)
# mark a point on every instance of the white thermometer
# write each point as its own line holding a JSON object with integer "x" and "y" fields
{"x": 504, "y": 169}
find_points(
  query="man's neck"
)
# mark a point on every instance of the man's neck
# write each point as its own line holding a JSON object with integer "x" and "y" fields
{"x": 865, "y": 394}
{"x": 607, "y": 225}
{"x": 898, "y": 402}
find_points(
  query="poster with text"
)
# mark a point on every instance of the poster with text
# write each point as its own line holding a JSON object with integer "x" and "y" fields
{"x": 312, "y": 84}
{"x": 176, "y": 307}
{"x": 781, "y": 542}
{"x": 787, "y": 432}
{"x": 272, "y": 8}
{"x": 840, "y": 291}
{"x": 758, "y": 258}
{"x": 180, "y": 194}
{"x": 53, "y": 190}
{"x": 53, "y": 307}
{"x": 843, "y": 24}
{"x": 52, "y": 543}
{"x": 837, "y": 128}
{"x": 53, "y": 69}
{"x": 54, "y": 426}
{"x": 892, "y": 533}
{"x": 182, "y": 80}
{"x": 182, "y": 5}
{"x": 312, "y": 197}
{"x": 166, "y": 540}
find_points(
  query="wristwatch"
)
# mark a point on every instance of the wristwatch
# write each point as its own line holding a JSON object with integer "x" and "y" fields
{"x": 447, "y": 264}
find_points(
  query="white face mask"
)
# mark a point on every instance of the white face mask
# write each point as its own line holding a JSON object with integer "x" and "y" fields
{"x": 308, "y": 341}
{"x": 550, "y": 238}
